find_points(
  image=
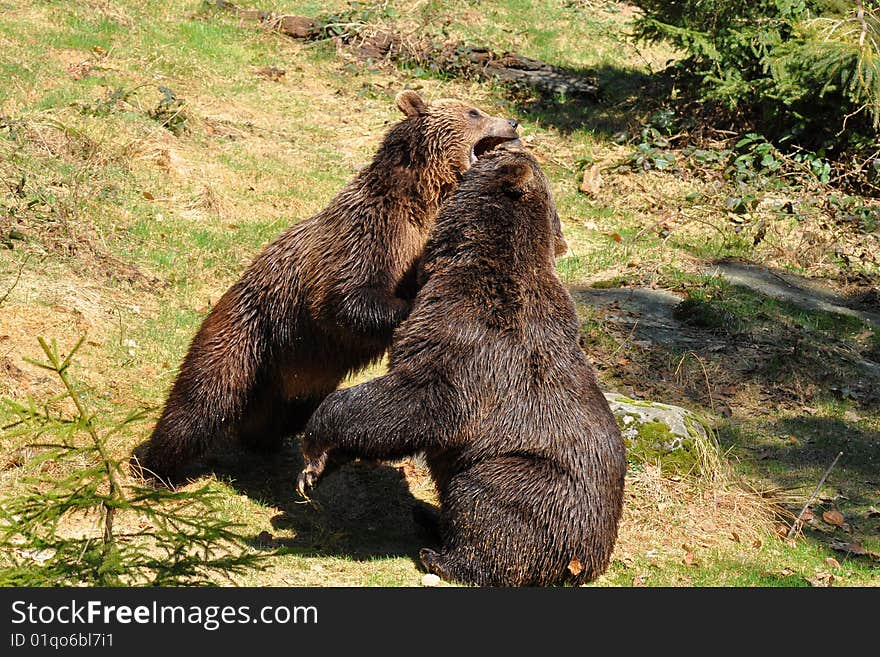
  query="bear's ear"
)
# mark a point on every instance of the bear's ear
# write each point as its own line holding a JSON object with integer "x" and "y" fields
{"x": 514, "y": 176}
{"x": 410, "y": 103}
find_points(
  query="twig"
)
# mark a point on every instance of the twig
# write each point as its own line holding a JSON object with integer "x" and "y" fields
{"x": 797, "y": 521}
{"x": 710, "y": 225}
{"x": 860, "y": 17}
{"x": 663, "y": 219}
{"x": 558, "y": 162}
{"x": 17, "y": 278}
{"x": 705, "y": 375}
{"x": 345, "y": 25}
{"x": 628, "y": 338}
{"x": 848, "y": 117}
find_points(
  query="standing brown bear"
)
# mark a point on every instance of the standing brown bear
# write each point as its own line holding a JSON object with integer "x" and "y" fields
{"x": 488, "y": 379}
{"x": 324, "y": 298}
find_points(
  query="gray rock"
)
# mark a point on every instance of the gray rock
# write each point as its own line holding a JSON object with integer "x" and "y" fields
{"x": 655, "y": 426}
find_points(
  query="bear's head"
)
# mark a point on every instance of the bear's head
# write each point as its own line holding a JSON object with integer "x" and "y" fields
{"x": 516, "y": 175}
{"x": 501, "y": 219}
{"x": 455, "y": 131}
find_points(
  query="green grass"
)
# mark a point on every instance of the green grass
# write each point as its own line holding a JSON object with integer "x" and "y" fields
{"x": 769, "y": 565}
{"x": 16, "y": 76}
{"x": 715, "y": 303}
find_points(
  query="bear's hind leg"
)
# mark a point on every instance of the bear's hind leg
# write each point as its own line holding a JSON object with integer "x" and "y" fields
{"x": 494, "y": 532}
{"x": 427, "y": 517}
{"x": 210, "y": 392}
{"x": 457, "y": 565}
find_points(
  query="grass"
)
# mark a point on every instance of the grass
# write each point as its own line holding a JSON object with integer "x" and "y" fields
{"x": 132, "y": 232}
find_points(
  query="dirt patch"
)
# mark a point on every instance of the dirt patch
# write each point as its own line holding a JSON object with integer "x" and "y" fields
{"x": 646, "y": 315}
{"x": 54, "y": 305}
{"x": 77, "y": 63}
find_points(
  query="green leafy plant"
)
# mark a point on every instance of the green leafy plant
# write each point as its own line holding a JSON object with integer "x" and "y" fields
{"x": 754, "y": 159}
{"x": 854, "y": 211}
{"x": 169, "y": 111}
{"x": 652, "y": 152}
{"x": 113, "y": 100}
{"x": 74, "y": 517}
{"x": 796, "y": 69}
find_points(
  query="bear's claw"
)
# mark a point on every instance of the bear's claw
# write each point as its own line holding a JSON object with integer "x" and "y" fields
{"x": 305, "y": 482}
{"x": 310, "y": 474}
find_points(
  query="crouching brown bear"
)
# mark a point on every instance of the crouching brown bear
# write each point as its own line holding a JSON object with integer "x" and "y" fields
{"x": 487, "y": 378}
{"x": 324, "y": 298}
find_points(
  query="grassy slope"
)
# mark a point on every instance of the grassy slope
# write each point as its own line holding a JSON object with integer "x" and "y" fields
{"x": 132, "y": 232}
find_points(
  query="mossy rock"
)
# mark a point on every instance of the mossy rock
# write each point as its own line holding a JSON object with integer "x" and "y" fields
{"x": 662, "y": 434}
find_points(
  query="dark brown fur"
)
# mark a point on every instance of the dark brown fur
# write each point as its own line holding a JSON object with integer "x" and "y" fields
{"x": 487, "y": 378}
{"x": 323, "y": 299}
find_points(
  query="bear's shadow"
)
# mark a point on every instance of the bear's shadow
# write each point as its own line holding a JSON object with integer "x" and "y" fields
{"x": 361, "y": 510}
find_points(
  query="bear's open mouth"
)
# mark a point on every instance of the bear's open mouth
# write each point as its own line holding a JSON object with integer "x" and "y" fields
{"x": 486, "y": 144}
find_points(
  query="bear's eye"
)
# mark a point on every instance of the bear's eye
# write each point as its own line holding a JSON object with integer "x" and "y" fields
{"x": 474, "y": 114}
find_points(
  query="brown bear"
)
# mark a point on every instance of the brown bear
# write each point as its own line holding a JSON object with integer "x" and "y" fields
{"x": 323, "y": 299}
{"x": 487, "y": 378}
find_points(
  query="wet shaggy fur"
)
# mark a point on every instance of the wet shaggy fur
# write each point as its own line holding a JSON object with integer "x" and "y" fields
{"x": 323, "y": 299}
{"x": 488, "y": 379}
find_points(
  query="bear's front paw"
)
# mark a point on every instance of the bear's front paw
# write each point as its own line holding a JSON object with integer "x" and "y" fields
{"x": 310, "y": 474}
